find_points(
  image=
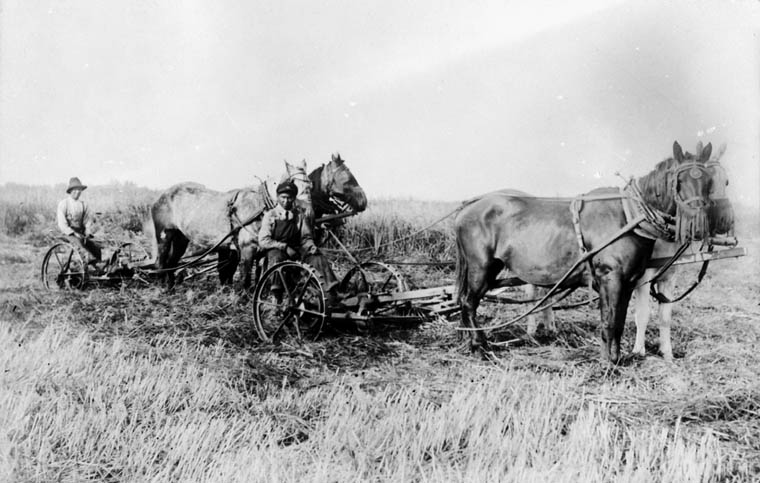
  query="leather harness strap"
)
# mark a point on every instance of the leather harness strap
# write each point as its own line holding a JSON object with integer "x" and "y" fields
{"x": 236, "y": 224}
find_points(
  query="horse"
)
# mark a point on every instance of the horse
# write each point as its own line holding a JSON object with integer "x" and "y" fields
{"x": 539, "y": 239}
{"x": 336, "y": 192}
{"x": 224, "y": 222}
{"x": 190, "y": 212}
{"x": 722, "y": 223}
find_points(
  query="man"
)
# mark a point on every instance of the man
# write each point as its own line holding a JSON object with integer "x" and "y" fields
{"x": 73, "y": 216}
{"x": 287, "y": 235}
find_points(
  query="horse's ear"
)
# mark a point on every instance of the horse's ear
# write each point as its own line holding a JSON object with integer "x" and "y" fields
{"x": 288, "y": 166}
{"x": 699, "y": 148}
{"x": 677, "y": 151}
{"x": 721, "y": 151}
{"x": 337, "y": 159}
{"x": 706, "y": 153}
{"x": 303, "y": 164}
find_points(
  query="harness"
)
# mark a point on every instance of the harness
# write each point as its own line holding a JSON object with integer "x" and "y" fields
{"x": 649, "y": 220}
{"x": 655, "y": 224}
{"x": 235, "y": 222}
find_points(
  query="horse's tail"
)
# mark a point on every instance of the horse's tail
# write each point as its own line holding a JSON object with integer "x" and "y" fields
{"x": 149, "y": 230}
{"x": 463, "y": 287}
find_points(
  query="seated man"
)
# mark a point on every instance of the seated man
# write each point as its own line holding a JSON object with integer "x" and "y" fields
{"x": 286, "y": 234}
{"x": 73, "y": 216}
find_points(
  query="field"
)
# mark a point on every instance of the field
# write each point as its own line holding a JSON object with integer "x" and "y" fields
{"x": 136, "y": 384}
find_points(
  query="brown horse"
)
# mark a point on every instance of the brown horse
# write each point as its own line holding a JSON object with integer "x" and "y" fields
{"x": 538, "y": 240}
{"x": 721, "y": 216}
{"x": 335, "y": 192}
{"x": 336, "y": 189}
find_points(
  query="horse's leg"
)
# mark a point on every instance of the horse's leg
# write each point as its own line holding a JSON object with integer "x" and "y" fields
{"x": 641, "y": 312}
{"x": 480, "y": 277}
{"x": 227, "y": 261}
{"x": 545, "y": 317}
{"x": 614, "y": 296}
{"x": 177, "y": 244}
{"x": 247, "y": 258}
{"x": 530, "y": 293}
{"x": 549, "y": 322}
{"x": 666, "y": 285}
{"x": 164, "y": 249}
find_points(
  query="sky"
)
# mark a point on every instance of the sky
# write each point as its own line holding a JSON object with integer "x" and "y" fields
{"x": 440, "y": 100}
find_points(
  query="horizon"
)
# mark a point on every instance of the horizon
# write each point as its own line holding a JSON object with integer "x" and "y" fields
{"x": 738, "y": 204}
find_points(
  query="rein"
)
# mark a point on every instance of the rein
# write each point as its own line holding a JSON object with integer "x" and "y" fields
{"x": 198, "y": 258}
{"x": 654, "y": 290}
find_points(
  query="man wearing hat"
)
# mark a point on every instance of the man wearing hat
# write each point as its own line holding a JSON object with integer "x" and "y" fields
{"x": 286, "y": 234}
{"x": 72, "y": 216}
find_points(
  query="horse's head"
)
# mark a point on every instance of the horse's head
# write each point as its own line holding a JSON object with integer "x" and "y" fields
{"x": 297, "y": 174}
{"x": 690, "y": 183}
{"x": 338, "y": 186}
{"x": 721, "y": 212}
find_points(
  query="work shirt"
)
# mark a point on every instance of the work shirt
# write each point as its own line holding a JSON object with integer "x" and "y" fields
{"x": 272, "y": 228}
{"x": 72, "y": 216}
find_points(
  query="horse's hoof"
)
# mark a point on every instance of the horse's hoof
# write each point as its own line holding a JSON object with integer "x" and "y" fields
{"x": 639, "y": 356}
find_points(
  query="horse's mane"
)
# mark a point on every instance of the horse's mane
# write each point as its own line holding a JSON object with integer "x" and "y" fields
{"x": 320, "y": 199}
{"x": 654, "y": 185}
{"x": 316, "y": 177}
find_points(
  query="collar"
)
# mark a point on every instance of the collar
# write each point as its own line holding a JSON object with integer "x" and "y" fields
{"x": 284, "y": 214}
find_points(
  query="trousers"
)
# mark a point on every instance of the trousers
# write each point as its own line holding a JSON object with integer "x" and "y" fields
{"x": 87, "y": 247}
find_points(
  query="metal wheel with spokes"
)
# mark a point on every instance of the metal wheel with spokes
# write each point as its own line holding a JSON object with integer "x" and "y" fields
{"x": 289, "y": 303}
{"x": 372, "y": 277}
{"x": 63, "y": 268}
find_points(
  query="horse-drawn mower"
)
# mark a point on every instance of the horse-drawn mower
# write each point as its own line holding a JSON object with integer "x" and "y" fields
{"x": 289, "y": 299}
{"x": 372, "y": 293}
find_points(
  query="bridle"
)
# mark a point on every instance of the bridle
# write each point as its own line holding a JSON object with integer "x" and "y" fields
{"x": 328, "y": 180}
{"x": 690, "y": 205}
{"x": 301, "y": 177}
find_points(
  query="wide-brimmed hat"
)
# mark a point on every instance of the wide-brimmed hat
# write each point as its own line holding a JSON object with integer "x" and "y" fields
{"x": 75, "y": 184}
{"x": 287, "y": 187}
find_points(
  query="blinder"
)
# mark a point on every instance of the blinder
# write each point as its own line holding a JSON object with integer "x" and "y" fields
{"x": 696, "y": 170}
{"x": 329, "y": 182}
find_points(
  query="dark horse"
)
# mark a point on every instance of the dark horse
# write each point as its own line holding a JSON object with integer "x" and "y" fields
{"x": 190, "y": 212}
{"x": 539, "y": 239}
{"x": 335, "y": 192}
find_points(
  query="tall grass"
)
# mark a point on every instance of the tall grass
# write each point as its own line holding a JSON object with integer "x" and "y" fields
{"x": 73, "y": 408}
{"x": 31, "y": 210}
{"x": 415, "y": 228}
